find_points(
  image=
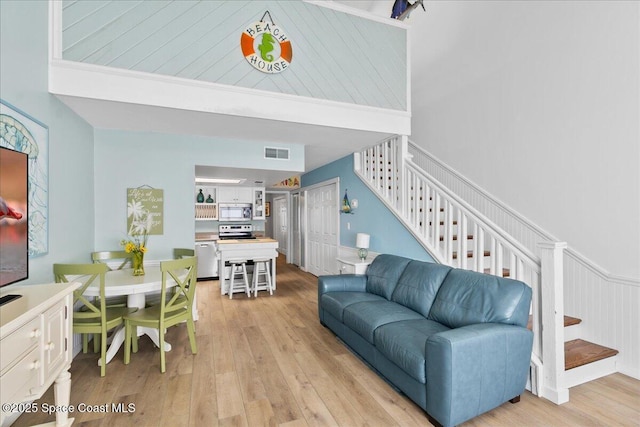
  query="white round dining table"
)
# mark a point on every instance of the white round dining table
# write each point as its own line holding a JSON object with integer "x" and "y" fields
{"x": 123, "y": 282}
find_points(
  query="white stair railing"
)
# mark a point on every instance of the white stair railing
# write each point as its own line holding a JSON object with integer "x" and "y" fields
{"x": 456, "y": 234}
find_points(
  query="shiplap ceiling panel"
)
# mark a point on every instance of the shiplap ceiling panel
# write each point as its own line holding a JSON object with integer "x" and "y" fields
{"x": 336, "y": 56}
{"x": 105, "y": 15}
{"x": 311, "y": 46}
{"x": 108, "y": 42}
{"x": 175, "y": 37}
{"x": 149, "y": 35}
{"x": 332, "y": 54}
{"x": 199, "y": 45}
{"x": 219, "y": 51}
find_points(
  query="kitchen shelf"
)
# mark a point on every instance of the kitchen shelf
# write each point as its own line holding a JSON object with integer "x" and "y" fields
{"x": 258, "y": 203}
{"x": 206, "y": 211}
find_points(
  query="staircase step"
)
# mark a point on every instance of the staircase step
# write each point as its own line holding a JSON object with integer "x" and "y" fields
{"x": 455, "y": 222}
{"x": 568, "y": 321}
{"x": 579, "y": 352}
{"x": 470, "y": 254}
{"x": 505, "y": 272}
{"x": 469, "y": 237}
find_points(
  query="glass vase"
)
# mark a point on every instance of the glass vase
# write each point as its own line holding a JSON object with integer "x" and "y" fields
{"x": 137, "y": 261}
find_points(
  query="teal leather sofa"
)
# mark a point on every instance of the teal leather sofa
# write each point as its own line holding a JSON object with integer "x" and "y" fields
{"x": 454, "y": 341}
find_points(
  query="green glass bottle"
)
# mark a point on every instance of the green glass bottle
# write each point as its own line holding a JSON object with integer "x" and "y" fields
{"x": 200, "y": 198}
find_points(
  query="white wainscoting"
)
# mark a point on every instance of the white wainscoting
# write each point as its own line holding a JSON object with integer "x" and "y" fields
{"x": 609, "y": 308}
{"x": 608, "y": 305}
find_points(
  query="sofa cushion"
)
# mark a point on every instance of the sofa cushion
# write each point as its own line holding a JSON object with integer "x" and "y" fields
{"x": 335, "y": 302}
{"x": 365, "y": 317}
{"x": 419, "y": 284}
{"x": 383, "y": 274}
{"x": 468, "y": 297}
{"x": 404, "y": 342}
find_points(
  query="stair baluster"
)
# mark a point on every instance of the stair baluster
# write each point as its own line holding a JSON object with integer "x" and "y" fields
{"x": 444, "y": 224}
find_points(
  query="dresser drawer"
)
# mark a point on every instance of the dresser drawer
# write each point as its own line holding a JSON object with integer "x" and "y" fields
{"x": 19, "y": 341}
{"x": 22, "y": 380}
{"x": 347, "y": 268}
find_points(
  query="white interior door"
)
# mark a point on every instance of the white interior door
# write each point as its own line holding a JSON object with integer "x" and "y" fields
{"x": 296, "y": 237}
{"x": 280, "y": 224}
{"x": 322, "y": 229}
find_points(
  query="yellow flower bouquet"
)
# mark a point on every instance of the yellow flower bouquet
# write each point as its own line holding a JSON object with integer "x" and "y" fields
{"x": 137, "y": 247}
{"x": 140, "y": 224}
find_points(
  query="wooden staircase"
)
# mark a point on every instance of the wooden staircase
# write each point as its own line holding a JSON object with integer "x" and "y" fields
{"x": 455, "y": 233}
{"x": 583, "y": 360}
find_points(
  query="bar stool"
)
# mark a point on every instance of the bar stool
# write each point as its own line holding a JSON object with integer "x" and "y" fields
{"x": 239, "y": 270}
{"x": 257, "y": 272}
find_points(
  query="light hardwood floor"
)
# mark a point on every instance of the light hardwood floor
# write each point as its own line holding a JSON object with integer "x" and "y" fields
{"x": 268, "y": 361}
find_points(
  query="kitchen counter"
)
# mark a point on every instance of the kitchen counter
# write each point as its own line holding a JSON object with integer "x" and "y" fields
{"x": 263, "y": 247}
{"x": 206, "y": 237}
{"x": 213, "y": 237}
{"x": 247, "y": 241}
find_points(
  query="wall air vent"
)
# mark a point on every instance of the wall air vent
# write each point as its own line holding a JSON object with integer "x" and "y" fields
{"x": 276, "y": 153}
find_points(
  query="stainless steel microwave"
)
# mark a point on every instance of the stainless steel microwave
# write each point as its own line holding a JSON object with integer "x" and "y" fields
{"x": 234, "y": 212}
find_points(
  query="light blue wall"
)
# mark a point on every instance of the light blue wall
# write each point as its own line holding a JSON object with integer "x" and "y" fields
{"x": 125, "y": 159}
{"x": 23, "y": 83}
{"x": 388, "y": 235}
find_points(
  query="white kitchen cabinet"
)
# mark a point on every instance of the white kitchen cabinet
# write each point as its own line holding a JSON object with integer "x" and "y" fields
{"x": 235, "y": 195}
{"x": 258, "y": 203}
{"x": 35, "y": 348}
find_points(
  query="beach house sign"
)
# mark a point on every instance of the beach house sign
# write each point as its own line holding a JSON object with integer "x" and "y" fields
{"x": 266, "y": 46}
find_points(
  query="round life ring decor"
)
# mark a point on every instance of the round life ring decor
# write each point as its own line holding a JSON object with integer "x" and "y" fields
{"x": 266, "y": 47}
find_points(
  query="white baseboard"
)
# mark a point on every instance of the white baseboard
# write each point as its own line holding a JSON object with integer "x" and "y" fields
{"x": 591, "y": 371}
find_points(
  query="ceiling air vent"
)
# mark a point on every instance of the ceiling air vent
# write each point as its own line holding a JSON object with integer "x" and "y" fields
{"x": 276, "y": 153}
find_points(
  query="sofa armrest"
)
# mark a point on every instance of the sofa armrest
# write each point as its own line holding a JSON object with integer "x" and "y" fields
{"x": 342, "y": 283}
{"x": 475, "y": 368}
{"x": 339, "y": 283}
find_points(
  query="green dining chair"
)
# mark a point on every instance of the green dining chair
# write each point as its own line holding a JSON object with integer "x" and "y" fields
{"x": 91, "y": 316}
{"x": 170, "y": 311}
{"x": 104, "y": 256}
{"x": 179, "y": 253}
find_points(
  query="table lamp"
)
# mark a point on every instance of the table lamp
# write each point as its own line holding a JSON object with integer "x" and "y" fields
{"x": 362, "y": 243}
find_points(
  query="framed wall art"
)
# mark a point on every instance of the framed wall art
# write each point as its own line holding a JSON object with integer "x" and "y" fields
{"x": 21, "y": 132}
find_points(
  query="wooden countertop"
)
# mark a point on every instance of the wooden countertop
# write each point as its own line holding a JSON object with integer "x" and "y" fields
{"x": 248, "y": 241}
{"x": 213, "y": 237}
{"x": 206, "y": 237}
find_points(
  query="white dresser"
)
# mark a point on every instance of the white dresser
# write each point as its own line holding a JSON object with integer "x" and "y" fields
{"x": 36, "y": 348}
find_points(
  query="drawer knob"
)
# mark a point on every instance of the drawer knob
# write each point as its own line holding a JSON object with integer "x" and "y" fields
{"x": 35, "y": 333}
{"x": 35, "y": 365}
{"x": 50, "y": 346}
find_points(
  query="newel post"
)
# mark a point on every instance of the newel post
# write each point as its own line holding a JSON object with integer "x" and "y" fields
{"x": 552, "y": 293}
{"x": 403, "y": 155}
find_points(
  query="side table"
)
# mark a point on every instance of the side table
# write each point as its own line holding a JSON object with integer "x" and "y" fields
{"x": 353, "y": 265}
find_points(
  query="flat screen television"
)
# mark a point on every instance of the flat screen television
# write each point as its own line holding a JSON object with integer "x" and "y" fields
{"x": 14, "y": 218}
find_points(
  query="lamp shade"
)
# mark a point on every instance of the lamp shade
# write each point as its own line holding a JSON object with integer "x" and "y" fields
{"x": 362, "y": 240}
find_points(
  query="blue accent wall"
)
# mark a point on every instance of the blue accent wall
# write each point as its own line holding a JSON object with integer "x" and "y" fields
{"x": 388, "y": 235}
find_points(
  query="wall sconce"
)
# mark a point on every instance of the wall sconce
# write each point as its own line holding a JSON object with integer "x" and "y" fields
{"x": 348, "y": 207}
{"x": 362, "y": 243}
